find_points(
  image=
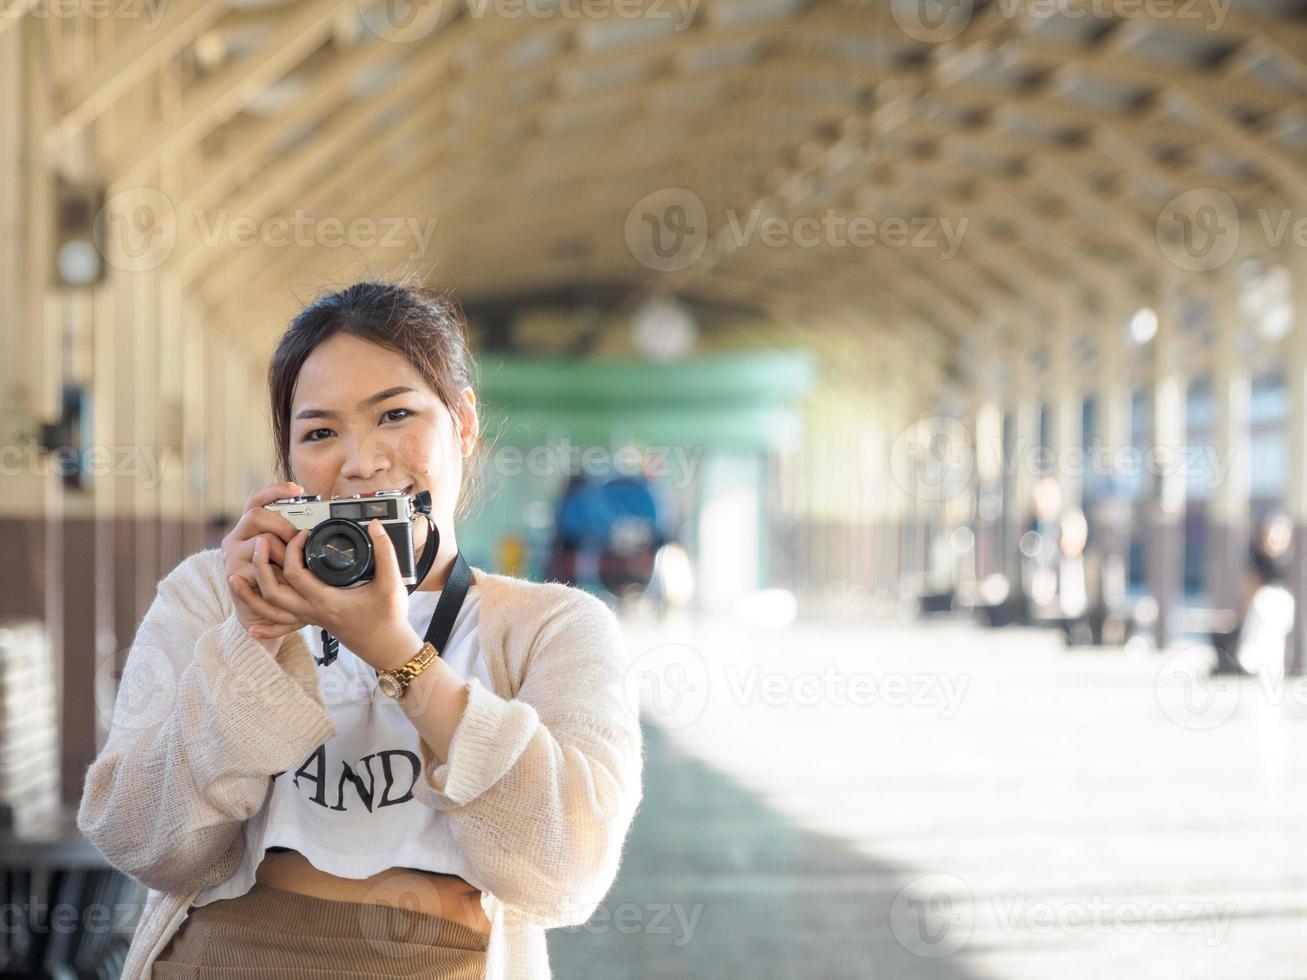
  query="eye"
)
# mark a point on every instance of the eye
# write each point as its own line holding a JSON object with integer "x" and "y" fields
{"x": 315, "y": 435}
{"x": 395, "y": 415}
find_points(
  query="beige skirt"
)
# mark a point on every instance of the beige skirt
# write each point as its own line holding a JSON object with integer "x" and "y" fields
{"x": 271, "y": 934}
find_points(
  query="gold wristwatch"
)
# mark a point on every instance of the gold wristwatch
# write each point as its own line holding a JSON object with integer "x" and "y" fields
{"x": 394, "y": 683}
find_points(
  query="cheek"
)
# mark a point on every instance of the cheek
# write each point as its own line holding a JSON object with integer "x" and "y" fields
{"x": 420, "y": 449}
{"x": 314, "y": 471}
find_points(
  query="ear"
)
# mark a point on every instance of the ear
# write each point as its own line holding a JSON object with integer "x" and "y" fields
{"x": 466, "y": 418}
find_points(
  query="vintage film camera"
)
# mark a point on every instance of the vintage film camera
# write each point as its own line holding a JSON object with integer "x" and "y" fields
{"x": 338, "y": 550}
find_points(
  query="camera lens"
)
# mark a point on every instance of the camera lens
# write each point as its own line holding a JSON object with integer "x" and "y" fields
{"x": 339, "y": 553}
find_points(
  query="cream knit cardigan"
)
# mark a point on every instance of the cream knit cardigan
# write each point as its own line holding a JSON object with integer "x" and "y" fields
{"x": 541, "y": 784}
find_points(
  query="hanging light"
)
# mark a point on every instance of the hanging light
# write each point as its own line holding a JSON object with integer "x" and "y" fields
{"x": 1143, "y": 325}
{"x": 664, "y": 329}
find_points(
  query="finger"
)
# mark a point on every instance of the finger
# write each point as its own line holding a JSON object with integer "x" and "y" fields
{"x": 293, "y": 567}
{"x": 278, "y": 593}
{"x": 258, "y": 605}
{"x": 386, "y": 574}
{"x": 273, "y": 491}
{"x": 244, "y": 553}
{"x": 272, "y": 631}
{"x": 250, "y": 574}
{"x": 260, "y": 520}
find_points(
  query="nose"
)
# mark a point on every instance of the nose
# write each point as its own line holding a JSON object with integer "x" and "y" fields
{"x": 366, "y": 458}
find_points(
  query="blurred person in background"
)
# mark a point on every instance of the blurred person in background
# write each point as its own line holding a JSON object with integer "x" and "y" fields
{"x": 1041, "y": 550}
{"x": 1072, "y": 577}
{"x": 608, "y": 532}
{"x": 1257, "y": 644}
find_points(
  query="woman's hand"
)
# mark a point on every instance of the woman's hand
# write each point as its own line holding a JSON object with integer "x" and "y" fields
{"x": 371, "y": 619}
{"x": 260, "y": 530}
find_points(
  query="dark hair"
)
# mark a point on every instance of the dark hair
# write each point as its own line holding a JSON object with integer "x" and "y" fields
{"x": 428, "y": 329}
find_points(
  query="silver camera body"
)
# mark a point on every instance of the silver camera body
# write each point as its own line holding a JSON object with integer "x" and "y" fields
{"x": 338, "y": 550}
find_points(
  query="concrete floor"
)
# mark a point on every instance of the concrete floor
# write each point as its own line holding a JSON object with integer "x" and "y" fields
{"x": 936, "y": 801}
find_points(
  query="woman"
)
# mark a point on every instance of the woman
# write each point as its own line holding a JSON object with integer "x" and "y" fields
{"x": 289, "y": 817}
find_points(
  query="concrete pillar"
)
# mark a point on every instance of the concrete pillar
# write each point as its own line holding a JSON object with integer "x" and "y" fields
{"x": 1110, "y": 522}
{"x": 1228, "y": 513}
{"x": 1295, "y": 370}
{"x": 987, "y": 428}
{"x": 1165, "y": 555}
{"x": 988, "y": 482}
{"x": 1019, "y": 461}
{"x": 1065, "y": 395}
{"x": 22, "y": 575}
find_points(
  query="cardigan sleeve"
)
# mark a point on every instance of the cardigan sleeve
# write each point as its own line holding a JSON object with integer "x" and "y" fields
{"x": 205, "y": 715}
{"x": 541, "y": 789}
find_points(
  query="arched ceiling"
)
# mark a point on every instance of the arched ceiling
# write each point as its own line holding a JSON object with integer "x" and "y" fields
{"x": 1026, "y": 151}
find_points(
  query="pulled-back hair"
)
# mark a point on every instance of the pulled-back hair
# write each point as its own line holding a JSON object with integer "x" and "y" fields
{"x": 428, "y": 329}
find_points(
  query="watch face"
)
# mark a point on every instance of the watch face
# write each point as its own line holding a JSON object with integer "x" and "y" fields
{"x": 389, "y": 686}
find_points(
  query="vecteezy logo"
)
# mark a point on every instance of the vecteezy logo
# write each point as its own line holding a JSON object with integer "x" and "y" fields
{"x": 667, "y": 230}
{"x": 932, "y": 916}
{"x": 401, "y": 21}
{"x": 670, "y": 683}
{"x": 399, "y": 936}
{"x": 1199, "y": 229}
{"x": 933, "y": 459}
{"x": 138, "y": 229}
{"x": 932, "y": 21}
{"x": 143, "y": 696}
{"x": 1192, "y": 697}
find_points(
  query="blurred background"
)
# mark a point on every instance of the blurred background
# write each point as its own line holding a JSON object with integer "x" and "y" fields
{"x": 924, "y": 383}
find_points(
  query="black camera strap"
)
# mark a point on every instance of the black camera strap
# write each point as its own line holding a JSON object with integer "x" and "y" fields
{"x": 447, "y": 608}
{"x": 451, "y": 601}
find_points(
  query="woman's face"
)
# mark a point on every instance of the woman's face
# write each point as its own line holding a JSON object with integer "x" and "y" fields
{"x": 363, "y": 419}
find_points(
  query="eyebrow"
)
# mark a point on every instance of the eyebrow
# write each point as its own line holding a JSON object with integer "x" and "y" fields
{"x": 381, "y": 396}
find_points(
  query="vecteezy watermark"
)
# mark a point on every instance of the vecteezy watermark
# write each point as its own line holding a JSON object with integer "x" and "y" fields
{"x": 406, "y": 21}
{"x": 143, "y": 696}
{"x": 932, "y": 21}
{"x": 144, "y": 692}
{"x": 933, "y": 916}
{"x": 672, "y": 919}
{"x": 1190, "y": 695}
{"x": 837, "y": 229}
{"x": 1099, "y": 916}
{"x": 669, "y": 683}
{"x": 937, "y": 21}
{"x": 1277, "y": 226}
{"x": 1198, "y": 231}
{"x": 673, "y": 684}
{"x": 679, "y": 12}
{"x": 139, "y": 228}
{"x": 934, "y": 459}
{"x": 833, "y": 687}
{"x": 1193, "y": 697}
{"x": 674, "y": 466}
{"x": 148, "y": 11}
{"x": 1211, "y": 13}
{"x": 143, "y": 463}
{"x": 303, "y": 230}
{"x": 936, "y": 915}
{"x": 667, "y": 231}
{"x": 40, "y": 918}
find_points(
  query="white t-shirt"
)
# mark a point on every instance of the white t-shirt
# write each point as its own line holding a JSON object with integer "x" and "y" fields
{"x": 349, "y": 807}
